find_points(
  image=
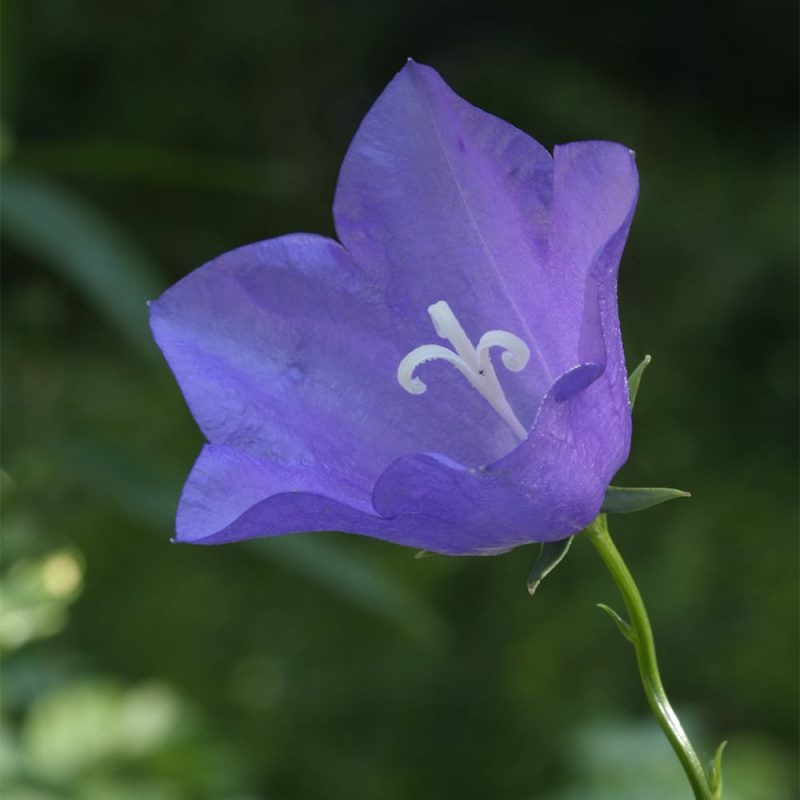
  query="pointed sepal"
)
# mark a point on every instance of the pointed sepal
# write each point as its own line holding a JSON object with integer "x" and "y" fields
{"x": 634, "y": 379}
{"x": 550, "y": 556}
{"x": 624, "y": 627}
{"x": 715, "y": 773}
{"x": 624, "y": 500}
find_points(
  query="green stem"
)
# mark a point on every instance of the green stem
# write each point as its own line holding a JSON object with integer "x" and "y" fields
{"x": 641, "y": 635}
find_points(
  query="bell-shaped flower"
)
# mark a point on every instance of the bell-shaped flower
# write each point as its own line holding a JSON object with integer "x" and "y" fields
{"x": 449, "y": 375}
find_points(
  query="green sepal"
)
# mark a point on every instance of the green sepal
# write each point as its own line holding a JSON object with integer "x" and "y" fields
{"x": 624, "y": 627}
{"x": 550, "y": 556}
{"x": 635, "y": 378}
{"x": 423, "y": 554}
{"x": 624, "y": 500}
{"x": 715, "y": 772}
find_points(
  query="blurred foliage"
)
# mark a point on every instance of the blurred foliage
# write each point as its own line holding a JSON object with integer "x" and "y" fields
{"x": 141, "y": 139}
{"x": 34, "y": 596}
{"x": 77, "y": 241}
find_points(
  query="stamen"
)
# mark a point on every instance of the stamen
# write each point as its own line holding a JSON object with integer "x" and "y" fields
{"x": 475, "y": 364}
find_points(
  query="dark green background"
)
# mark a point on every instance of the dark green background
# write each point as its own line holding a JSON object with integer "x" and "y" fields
{"x": 142, "y": 139}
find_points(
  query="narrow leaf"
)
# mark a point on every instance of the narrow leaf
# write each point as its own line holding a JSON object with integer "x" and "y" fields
{"x": 85, "y": 247}
{"x": 550, "y": 556}
{"x": 621, "y": 500}
{"x": 715, "y": 773}
{"x": 624, "y": 627}
{"x": 634, "y": 379}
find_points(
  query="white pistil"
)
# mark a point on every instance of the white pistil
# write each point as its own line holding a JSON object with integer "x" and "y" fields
{"x": 474, "y": 363}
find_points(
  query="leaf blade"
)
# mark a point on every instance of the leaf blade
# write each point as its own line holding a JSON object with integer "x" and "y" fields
{"x": 623, "y": 625}
{"x": 635, "y": 378}
{"x": 550, "y": 556}
{"x": 626, "y": 500}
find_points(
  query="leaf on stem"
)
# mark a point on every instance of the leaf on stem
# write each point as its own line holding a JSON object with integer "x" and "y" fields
{"x": 550, "y": 556}
{"x": 624, "y": 500}
{"x": 715, "y": 772}
{"x": 624, "y": 627}
{"x": 634, "y": 379}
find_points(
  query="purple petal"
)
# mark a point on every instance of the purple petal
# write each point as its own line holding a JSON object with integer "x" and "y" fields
{"x": 285, "y": 350}
{"x": 582, "y": 432}
{"x": 428, "y": 502}
{"x": 225, "y": 483}
{"x": 595, "y": 188}
{"x": 442, "y": 201}
{"x": 423, "y": 501}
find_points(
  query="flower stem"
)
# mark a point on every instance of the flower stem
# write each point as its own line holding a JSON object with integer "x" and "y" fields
{"x": 640, "y": 634}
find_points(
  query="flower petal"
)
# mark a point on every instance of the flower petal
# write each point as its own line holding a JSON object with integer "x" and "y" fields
{"x": 225, "y": 483}
{"x": 587, "y": 419}
{"x": 422, "y": 501}
{"x": 285, "y": 350}
{"x": 595, "y": 188}
{"x": 428, "y": 502}
{"x": 441, "y": 201}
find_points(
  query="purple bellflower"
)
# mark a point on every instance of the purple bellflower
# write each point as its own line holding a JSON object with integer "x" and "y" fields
{"x": 449, "y": 375}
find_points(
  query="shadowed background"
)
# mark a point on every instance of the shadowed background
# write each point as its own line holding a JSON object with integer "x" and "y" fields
{"x": 142, "y": 139}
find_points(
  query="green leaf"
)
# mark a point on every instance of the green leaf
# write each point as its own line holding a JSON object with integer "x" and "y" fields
{"x": 715, "y": 772}
{"x": 85, "y": 247}
{"x": 635, "y": 379}
{"x": 550, "y": 556}
{"x": 624, "y": 627}
{"x": 621, "y": 500}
